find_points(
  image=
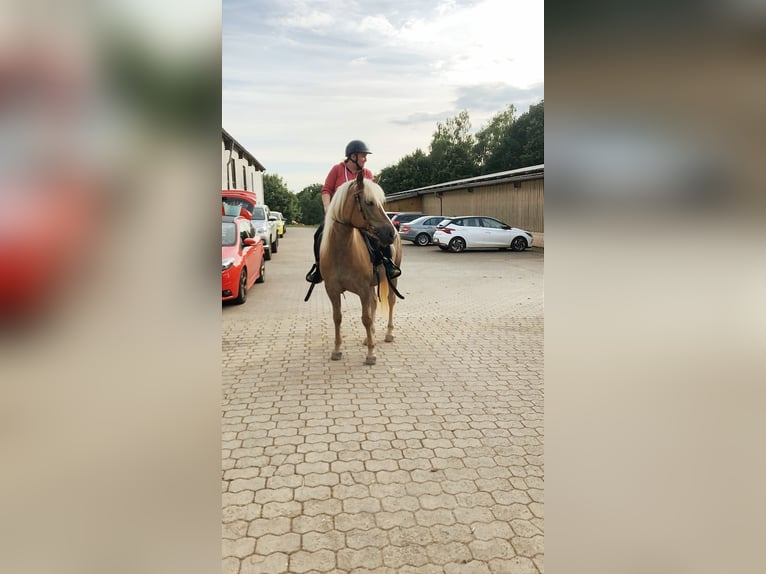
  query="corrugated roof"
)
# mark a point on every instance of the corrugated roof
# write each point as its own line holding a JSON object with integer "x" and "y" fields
{"x": 521, "y": 174}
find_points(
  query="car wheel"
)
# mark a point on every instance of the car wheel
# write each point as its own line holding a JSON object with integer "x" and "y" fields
{"x": 518, "y": 244}
{"x": 267, "y": 253}
{"x": 457, "y": 245}
{"x": 262, "y": 275}
{"x": 275, "y": 246}
{"x": 242, "y": 295}
{"x": 423, "y": 239}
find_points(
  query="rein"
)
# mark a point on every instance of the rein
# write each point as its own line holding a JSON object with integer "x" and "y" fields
{"x": 368, "y": 228}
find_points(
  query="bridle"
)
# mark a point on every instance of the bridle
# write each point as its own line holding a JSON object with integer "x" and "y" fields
{"x": 368, "y": 227}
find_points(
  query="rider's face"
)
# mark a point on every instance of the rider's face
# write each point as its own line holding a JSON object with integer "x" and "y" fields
{"x": 361, "y": 158}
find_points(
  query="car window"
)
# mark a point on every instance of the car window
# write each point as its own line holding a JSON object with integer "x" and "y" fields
{"x": 228, "y": 233}
{"x": 471, "y": 222}
{"x": 238, "y": 202}
{"x": 242, "y": 232}
{"x": 249, "y": 229}
{"x": 493, "y": 223}
{"x": 432, "y": 221}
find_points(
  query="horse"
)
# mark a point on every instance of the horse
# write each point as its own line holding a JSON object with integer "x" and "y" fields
{"x": 344, "y": 259}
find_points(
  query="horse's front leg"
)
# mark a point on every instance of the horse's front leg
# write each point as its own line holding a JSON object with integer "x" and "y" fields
{"x": 337, "y": 317}
{"x": 369, "y": 304}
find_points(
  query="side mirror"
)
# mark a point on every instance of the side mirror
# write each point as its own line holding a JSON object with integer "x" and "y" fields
{"x": 249, "y": 241}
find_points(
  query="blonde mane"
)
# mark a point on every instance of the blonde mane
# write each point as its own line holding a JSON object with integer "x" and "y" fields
{"x": 371, "y": 192}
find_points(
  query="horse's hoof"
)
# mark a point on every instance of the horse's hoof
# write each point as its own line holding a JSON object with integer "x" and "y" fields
{"x": 336, "y": 355}
{"x": 389, "y": 338}
{"x": 370, "y": 360}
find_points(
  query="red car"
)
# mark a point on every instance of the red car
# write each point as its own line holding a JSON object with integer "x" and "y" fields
{"x": 242, "y": 258}
{"x": 233, "y": 199}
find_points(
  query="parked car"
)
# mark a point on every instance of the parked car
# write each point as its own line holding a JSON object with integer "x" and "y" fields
{"x": 404, "y": 217}
{"x": 266, "y": 229}
{"x": 242, "y": 258}
{"x": 421, "y": 230}
{"x": 280, "y": 223}
{"x": 478, "y": 232}
{"x": 391, "y": 214}
{"x": 234, "y": 200}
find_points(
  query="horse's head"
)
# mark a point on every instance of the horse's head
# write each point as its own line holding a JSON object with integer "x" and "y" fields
{"x": 363, "y": 208}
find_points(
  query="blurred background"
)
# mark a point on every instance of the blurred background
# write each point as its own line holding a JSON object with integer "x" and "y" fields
{"x": 655, "y": 313}
{"x": 109, "y": 313}
{"x": 110, "y": 147}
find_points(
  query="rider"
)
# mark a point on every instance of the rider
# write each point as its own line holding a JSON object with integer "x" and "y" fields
{"x": 356, "y": 158}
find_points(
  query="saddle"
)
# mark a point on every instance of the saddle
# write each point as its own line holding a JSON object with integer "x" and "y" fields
{"x": 377, "y": 258}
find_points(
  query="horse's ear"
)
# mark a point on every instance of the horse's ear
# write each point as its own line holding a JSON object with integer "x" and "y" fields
{"x": 360, "y": 179}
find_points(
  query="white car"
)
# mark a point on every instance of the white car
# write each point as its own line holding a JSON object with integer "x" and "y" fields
{"x": 478, "y": 232}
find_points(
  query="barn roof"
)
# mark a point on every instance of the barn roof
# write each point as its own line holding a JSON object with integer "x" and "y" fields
{"x": 521, "y": 174}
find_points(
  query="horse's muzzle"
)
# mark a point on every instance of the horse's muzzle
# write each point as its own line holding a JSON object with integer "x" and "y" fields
{"x": 385, "y": 234}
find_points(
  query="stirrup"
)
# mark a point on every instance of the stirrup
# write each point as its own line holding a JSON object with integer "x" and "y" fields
{"x": 313, "y": 276}
{"x": 392, "y": 270}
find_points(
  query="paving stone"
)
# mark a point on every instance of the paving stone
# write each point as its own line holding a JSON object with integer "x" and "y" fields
{"x": 321, "y": 560}
{"x": 271, "y": 564}
{"x": 271, "y": 543}
{"x": 328, "y": 540}
{"x": 395, "y": 468}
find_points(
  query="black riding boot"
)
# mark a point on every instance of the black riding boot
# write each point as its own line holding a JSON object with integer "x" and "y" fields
{"x": 314, "y": 276}
{"x": 392, "y": 269}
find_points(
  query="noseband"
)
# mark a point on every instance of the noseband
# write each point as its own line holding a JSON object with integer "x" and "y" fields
{"x": 368, "y": 228}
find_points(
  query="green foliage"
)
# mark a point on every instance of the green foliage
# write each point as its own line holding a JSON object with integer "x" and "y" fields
{"x": 506, "y": 142}
{"x": 279, "y": 198}
{"x": 411, "y": 172}
{"x": 533, "y": 125}
{"x": 310, "y": 203}
{"x": 492, "y": 150}
{"x": 452, "y": 149}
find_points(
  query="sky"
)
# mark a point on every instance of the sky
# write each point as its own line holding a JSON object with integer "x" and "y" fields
{"x": 301, "y": 78}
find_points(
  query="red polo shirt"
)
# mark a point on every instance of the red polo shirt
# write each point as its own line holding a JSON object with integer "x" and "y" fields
{"x": 340, "y": 174}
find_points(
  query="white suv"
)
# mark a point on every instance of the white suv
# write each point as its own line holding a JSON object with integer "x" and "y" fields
{"x": 266, "y": 230}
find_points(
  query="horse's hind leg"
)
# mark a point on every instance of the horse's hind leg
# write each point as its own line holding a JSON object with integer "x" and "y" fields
{"x": 391, "y": 302}
{"x": 368, "y": 320}
{"x": 337, "y": 317}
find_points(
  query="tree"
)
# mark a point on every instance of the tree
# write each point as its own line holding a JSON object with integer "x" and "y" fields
{"x": 451, "y": 152}
{"x": 510, "y": 143}
{"x": 411, "y": 172}
{"x": 310, "y": 203}
{"x": 533, "y": 147}
{"x": 505, "y": 143}
{"x": 279, "y": 198}
{"x": 492, "y": 151}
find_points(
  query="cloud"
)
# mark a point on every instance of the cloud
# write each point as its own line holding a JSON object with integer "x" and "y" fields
{"x": 497, "y": 96}
{"x": 422, "y": 117}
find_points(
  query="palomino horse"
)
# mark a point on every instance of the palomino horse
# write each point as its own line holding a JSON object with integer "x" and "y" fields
{"x": 344, "y": 259}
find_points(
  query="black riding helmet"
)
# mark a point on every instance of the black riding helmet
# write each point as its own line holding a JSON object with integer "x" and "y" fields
{"x": 356, "y": 146}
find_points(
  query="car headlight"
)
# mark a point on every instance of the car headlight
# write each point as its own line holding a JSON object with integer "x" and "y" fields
{"x": 226, "y": 263}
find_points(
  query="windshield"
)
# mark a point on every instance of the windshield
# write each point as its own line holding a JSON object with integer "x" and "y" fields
{"x": 258, "y": 213}
{"x": 234, "y": 201}
{"x": 228, "y": 233}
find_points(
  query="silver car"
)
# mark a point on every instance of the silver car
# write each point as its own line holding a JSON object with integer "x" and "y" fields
{"x": 421, "y": 230}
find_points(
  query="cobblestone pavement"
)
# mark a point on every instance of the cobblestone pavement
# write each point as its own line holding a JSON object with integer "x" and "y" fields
{"x": 430, "y": 461}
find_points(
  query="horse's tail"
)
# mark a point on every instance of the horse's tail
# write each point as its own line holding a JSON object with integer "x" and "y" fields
{"x": 383, "y": 291}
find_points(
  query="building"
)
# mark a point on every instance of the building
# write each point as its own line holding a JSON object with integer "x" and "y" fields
{"x": 515, "y": 197}
{"x": 239, "y": 168}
